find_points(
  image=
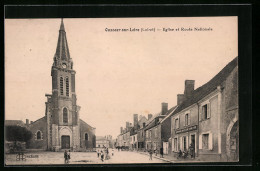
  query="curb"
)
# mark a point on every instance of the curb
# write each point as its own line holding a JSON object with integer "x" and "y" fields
{"x": 158, "y": 157}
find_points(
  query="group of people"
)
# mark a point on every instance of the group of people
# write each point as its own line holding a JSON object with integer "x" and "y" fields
{"x": 66, "y": 156}
{"x": 155, "y": 151}
{"x": 104, "y": 153}
{"x": 181, "y": 154}
{"x": 185, "y": 153}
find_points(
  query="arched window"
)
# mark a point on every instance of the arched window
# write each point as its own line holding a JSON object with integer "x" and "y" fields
{"x": 61, "y": 86}
{"x": 67, "y": 86}
{"x": 38, "y": 135}
{"x": 65, "y": 115}
{"x": 86, "y": 136}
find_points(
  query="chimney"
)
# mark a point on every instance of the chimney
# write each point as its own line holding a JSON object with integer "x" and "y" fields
{"x": 150, "y": 116}
{"x": 121, "y": 130}
{"x": 164, "y": 108}
{"x": 180, "y": 98}
{"x": 27, "y": 122}
{"x": 31, "y": 122}
{"x": 135, "y": 120}
{"x": 189, "y": 87}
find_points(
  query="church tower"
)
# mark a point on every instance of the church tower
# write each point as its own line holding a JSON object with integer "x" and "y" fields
{"x": 63, "y": 113}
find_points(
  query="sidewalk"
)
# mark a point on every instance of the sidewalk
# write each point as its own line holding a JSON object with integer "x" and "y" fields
{"x": 172, "y": 159}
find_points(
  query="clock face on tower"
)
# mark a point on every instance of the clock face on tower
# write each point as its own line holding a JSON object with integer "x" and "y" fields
{"x": 64, "y": 65}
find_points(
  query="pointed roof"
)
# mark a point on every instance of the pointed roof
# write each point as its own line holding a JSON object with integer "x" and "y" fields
{"x": 62, "y": 50}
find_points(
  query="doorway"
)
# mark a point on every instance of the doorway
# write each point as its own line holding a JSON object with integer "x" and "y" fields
{"x": 234, "y": 142}
{"x": 65, "y": 141}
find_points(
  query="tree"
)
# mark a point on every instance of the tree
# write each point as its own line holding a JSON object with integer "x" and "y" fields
{"x": 17, "y": 133}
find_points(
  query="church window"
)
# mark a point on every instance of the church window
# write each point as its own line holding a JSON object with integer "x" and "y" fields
{"x": 86, "y": 136}
{"x": 67, "y": 86}
{"x": 38, "y": 135}
{"x": 65, "y": 115}
{"x": 61, "y": 86}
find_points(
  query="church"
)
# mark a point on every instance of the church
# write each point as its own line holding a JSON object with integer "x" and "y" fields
{"x": 61, "y": 127}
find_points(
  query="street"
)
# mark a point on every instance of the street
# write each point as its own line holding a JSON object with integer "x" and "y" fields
{"x": 49, "y": 158}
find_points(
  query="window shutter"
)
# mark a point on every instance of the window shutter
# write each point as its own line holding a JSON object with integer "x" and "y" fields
{"x": 177, "y": 144}
{"x": 179, "y": 121}
{"x": 200, "y": 141}
{"x": 189, "y": 119}
{"x": 187, "y": 142}
{"x": 173, "y": 144}
{"x": 181, "y": 143}
{"x": 200, "y": 113}
{"x": 210, "y": 141}
{"x": 208, "y": 112}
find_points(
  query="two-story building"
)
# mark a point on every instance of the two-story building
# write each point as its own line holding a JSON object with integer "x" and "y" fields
{"x": 207, "y": 117}
{"x": 158, "y": 132}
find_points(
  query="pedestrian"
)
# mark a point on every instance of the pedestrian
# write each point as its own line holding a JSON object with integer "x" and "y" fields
{"x": 102, "y": 156}
{"x": 68, "y": 158}
{"x": 65, "y": 156}
{"x": 112, "y": 152}
{"x": 98, "y": 153}
{"x": 151, "y": 154}
{"x": 161, "y": 152}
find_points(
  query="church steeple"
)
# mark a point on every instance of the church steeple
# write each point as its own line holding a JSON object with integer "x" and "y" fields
{"x": 62, "y": 51}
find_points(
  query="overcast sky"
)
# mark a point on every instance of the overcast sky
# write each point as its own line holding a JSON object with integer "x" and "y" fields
{"x": 117, "y": 73}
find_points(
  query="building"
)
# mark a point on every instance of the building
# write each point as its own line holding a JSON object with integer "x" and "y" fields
{"x": 208, "y": 117}
{"x": 157, "y": 131}
{"x": 61, "y": 127}
{"x": 141, "y": 132}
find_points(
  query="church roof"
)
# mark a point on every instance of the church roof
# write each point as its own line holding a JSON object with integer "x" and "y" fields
{"x": 83, "y": 122}
{"x": 62, "y": 50}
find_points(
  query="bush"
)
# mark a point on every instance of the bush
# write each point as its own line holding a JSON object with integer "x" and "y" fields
{"x": 17, "y": 133}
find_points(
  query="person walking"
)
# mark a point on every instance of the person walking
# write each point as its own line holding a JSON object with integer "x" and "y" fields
{"x": 65, "y": 157}
{"x": 161, "y": 152}
{"x": 98, "y": 153}
{"x": 102, "y": 156}
{"x": 68, "y": 158}
{"x": 112, "y": 152}
{"x": 151, "y": 154}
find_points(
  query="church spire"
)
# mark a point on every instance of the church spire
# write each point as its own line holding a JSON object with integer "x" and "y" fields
{"x": 62, "y": 25}
{"x": 62, "y": 50}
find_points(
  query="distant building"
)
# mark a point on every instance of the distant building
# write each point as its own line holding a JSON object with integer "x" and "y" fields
{"x": 61, "y": 127}
{"x": 157, "y": 132}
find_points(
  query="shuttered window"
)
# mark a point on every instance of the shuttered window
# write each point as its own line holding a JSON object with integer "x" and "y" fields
{"x": 205, "y": 141}
{"x": 186, "y": 119}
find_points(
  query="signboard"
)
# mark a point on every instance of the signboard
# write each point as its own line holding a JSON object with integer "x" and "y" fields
{"x": 191, "y": 128}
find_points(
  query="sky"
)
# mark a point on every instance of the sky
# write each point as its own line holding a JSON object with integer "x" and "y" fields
{"x": 118, "y": 74}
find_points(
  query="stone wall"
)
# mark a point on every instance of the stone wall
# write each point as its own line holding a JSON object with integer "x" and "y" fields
{"x": 39, "y": 125}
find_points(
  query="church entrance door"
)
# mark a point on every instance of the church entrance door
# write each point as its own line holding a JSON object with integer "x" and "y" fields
{"x": 65, "y": 141}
